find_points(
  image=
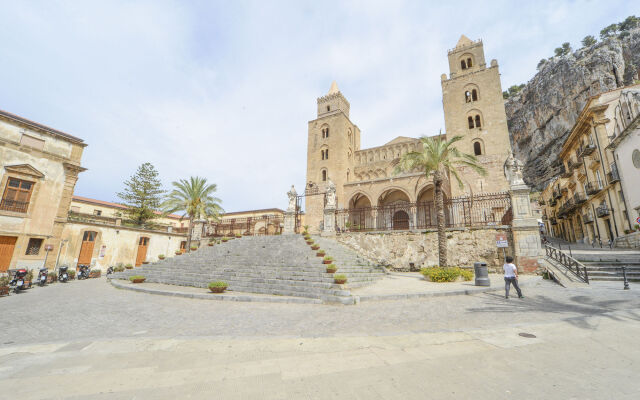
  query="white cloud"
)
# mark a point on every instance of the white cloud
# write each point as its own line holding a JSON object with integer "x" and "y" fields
{"x": 225, "y": 90}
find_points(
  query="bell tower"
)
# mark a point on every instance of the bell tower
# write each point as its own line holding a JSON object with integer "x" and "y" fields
{"x": 474, "y": 109}
{"x": 331, "y": 143}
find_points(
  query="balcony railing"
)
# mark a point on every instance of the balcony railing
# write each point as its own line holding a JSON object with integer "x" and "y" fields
{"x": 602, "y": 211}
{"x": 612, "y": 176}
{"x": 553, "y": 221}
{"x": 581, "y": 172}
{"x": 573, "y": 164}
{"x": 579, "y": 198}
{"x": 13, "y": 205}
{"x": 587, "y": 218}
{"x": 593, "y": 188}
{"x": 588, "y": 149}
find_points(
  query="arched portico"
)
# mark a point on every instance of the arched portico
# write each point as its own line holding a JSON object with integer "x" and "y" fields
{"x": 360, "y": 215}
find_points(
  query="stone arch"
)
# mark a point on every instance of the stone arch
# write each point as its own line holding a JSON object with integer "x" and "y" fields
{"x": 324, "y": 175}
{"x": 393, "y": 194}
{"x": 478, "y": 147}
{"x": 324, "y": 131}
{"x": 359, "y": 199}
{"x": 475, "y": 119}
{"x": 471, "y": 93}
{"x": 466, "y": 61}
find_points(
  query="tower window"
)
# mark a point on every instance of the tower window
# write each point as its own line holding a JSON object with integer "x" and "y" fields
{"x": 463, "y": 64}
{"x": 324, "y": 175}
{"x": 469, "y": 63}
{"x": 477, "y": 148}
{"x": 470, "y": 119}
{"x": 325, "y": 132}
{"x": 322, "y": 154}
{"x": 328, "y": 108}
{"x": 474, "y": 95}
{"x": 326, "y": 154}
{"x": 478, "y": 125}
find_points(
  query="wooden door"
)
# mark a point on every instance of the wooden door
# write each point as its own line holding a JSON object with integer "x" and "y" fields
{"x": 86, "y": 250}
{"x": 143, "y": 244}
{"x": 183, "y": 246}
{"x": 7, "y": 244}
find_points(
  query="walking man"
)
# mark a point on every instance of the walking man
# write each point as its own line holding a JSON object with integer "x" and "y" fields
{"x": 511, "y": 277}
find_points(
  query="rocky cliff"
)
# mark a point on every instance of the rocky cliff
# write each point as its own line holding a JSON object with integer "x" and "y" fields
{"x": 542, "y": 114}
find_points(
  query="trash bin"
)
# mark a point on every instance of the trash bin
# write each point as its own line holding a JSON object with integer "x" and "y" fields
{"x": 482, "y": 274}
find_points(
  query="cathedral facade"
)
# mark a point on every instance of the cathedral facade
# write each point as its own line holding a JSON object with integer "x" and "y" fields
{"x": 364, "y": 180}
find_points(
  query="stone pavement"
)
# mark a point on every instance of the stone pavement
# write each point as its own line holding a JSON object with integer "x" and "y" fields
{"x": 88, "y": 340}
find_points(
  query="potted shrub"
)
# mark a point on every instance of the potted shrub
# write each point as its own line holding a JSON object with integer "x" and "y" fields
{"x": 118, "y": 268}
{"x": 178, "y": 252}
{"x": 327, "y": 260}
{"x": 95, "y": 273}
{"x": 331, "y": 268}
{"x": 137, "y": 278}
{"x": 320, "y": 253}
{"x": 238, "y": 236}
{"x": 211, "y": 243}
{"x": 52, "y": 277}
{"x": 218, "y": 286}
{"x": 4, "y": 286}
{"x": 315, "y": 247}
{"x": 225, "y": 239}
{"x": 340, "y": 279}
{"x": 72, "y": 272}
{"x": 161, "y": 257}
{"x": 145, "y": 262}
{"x": 309, "y": 242}
{"x": 28, "y": 278}
{"x": 128, "y": 266}
{"x": 194, "y": 247}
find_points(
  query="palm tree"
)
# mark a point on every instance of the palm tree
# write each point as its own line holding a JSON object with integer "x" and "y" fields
{"x": 195, "y": 198}
{"x": 440, "y": 158}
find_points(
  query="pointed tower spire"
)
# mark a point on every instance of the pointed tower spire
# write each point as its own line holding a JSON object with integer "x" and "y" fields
{"x": 334, "y": 88}
{"x": 463, "y": 41}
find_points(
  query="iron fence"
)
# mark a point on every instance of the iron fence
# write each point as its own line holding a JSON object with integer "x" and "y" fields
{"x": 475, "y": 211}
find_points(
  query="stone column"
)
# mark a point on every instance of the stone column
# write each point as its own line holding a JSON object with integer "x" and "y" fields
{"x": 526, "y": 233}
{"x": 196, "y": 230}
{"x": 329, "y": 226}
{"x": 289, "y": 223}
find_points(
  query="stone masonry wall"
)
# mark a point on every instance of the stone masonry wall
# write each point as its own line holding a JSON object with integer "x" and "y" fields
{"x": 397, "y": 249}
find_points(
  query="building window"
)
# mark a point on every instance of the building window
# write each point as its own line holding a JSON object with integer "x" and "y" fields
{"x": 325, "y": 132}
{"x": 16, "y": 195}
{"x": 469, "y": 64}
{"x": 474, "y": 95}
{"x": 97, "y": 212}
{"x": 478, "y": 124}
{"x": 470, "y": 119}
{"x": 328, "y": 108}
{"x": 477, "y": 148}
{"x": 33, "y": 248}
{"x": 463, "y": 64}
{"x": 324, "y": 175}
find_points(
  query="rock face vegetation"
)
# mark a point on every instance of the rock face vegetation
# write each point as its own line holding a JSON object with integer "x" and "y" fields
{"x": 542, "y": 112}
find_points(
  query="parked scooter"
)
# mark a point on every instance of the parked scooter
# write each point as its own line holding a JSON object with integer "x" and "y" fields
{"x": 18, "y": 280}
{"x": 63, "y": 275}
{"x": 42, "y": 276}
{"x": 83, "y": 271}
{"x": 109, "y": 270}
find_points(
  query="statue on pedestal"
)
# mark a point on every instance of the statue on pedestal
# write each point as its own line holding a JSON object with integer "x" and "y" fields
{"x": 513, "y": 169}
{"x": 293, "y": 198}
{"x": 331, "y": 195}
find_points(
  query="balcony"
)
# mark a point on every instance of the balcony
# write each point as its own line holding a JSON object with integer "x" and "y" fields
{"x": 14, "y": 206}
{"x": 587, "y": 218}
{"x": 602, "y": 211}
{"x": 588, "y": 149}
{"x": 553, "y": 221}
{"x": 579, "y": 198}
{"x": 581, "y": 172}
{"x": 573, "y": 164}
{"x": 612, "y": 176}
{"x": 594, "y": 163}
{"x": 593, "y": 188}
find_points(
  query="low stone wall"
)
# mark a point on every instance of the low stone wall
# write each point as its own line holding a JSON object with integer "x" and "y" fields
{"x": 630, "y": 241}
{"x": 397, "y": 250}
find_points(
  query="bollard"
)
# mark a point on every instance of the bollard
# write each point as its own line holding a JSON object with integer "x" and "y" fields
{"x": 482, "y": 274}
{"x": 624, "y": 276}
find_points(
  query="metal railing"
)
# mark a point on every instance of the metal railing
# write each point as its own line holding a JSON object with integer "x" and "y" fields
{"x": 579, "y": 198}
{"x": 602, "y": 211}
{"x": 613, "y": 176}
{"x": 568, "y": 262}
{"x": 13, "y": 205}
{"x": 476, "y": 211}
{"x": 587, "y": 218}
{"x": 249, "y": 226}
{"x": 593, "y": 188}
{"x": 588, "y": 149}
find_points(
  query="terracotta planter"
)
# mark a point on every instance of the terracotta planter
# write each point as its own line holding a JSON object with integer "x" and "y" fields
{"x": 209, "y": 244}
{"x": 145, "y": 262}
{"x": 331, "y": 271}
{"x": 314, "y": 247}
{"x": 179, "y": 253}
{"x": 51, "y": 279}
{"x": 309, "y": 241}
{"x": 27, "y": 284}
{"x": 321, "y": 254}
{"x": 138, "y": 280}
{"x": 129, "y": 267}
{"x": 340, "y": 281}
{"x": 95, "y": 274}
{"x": 327, "y": 261}
{"x": 217, "y": 289}
{"x": 4, "y": 290}
{"x": 161, "y": 258}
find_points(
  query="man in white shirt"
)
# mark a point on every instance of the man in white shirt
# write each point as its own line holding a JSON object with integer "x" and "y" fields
{"x": 511, "y": 277}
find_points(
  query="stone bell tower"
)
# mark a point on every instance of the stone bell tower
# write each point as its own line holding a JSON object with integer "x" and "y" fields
{"x": 474, "y": 109}
{"x": 331, "y": 142}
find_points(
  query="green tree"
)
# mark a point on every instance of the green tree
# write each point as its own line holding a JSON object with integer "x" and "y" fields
{"x": 194, "y": 197}
{"x": 630, "y": 22}
{"x": 609, "y": 31}
{"x": 440, "y": 158}
{"x": 588, "y": 41}
{"x": 541, "y": 63}
{"x": 142, "y": 194}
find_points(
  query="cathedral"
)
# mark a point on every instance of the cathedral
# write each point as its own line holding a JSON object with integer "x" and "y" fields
{"x": 365, "y": 184}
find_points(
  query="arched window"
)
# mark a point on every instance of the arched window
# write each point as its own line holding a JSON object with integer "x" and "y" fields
{"x": 326, "y": 154}
{"x": 326, "y": 132}
{"x": 477, "y": 148}
{"x": 324, "y": 175}
{"x": 474, "y": 95}
{"x": 463, "y": 64}
{"x": 470, "y": 119}
{"x": 467, "y": 97}
{"x": 328, "y": 108}
{"x": 469, "y": 65}
{"x": 478, "y": 125}
{"x": 323, "y": 155}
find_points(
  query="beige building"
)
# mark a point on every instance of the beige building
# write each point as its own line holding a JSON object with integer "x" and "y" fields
{"x": 39, "y": 168}
{"x": 586, "y": 203}
{"x": 268, "y": 221}
{"x": 364, "y": 180}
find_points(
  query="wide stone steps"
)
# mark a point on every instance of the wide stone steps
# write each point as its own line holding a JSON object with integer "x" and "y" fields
{"x": 278, "y": 265}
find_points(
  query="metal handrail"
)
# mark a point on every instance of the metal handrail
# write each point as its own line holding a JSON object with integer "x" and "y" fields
{"x": 568, "y": 262}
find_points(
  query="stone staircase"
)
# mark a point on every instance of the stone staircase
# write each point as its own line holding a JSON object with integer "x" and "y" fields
{"x": 279, "y": 265}
{"x": 608, "y": 266}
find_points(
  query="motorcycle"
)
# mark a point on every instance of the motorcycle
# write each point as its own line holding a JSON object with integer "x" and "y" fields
{"x": 83, "y": 272}
{"x": 18, "y": 280}
{"x": 110, "y": 271}
{"x": 63, "y": 275}
{"x": 42, "y": 276}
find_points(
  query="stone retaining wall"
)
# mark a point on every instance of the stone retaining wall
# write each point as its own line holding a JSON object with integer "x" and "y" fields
{"x": 629, "y": 241}
{"x": 397, "y": 250}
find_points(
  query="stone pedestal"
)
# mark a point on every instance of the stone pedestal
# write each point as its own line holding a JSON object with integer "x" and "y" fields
{"x": 329, "y": 225}
{"x": 289, "y": 223}
{"x": 526, "y": 232}
{"x": 196, "y": 230}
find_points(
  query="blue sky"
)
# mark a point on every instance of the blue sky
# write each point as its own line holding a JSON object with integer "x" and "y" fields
{"x": 225, "y": 89}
